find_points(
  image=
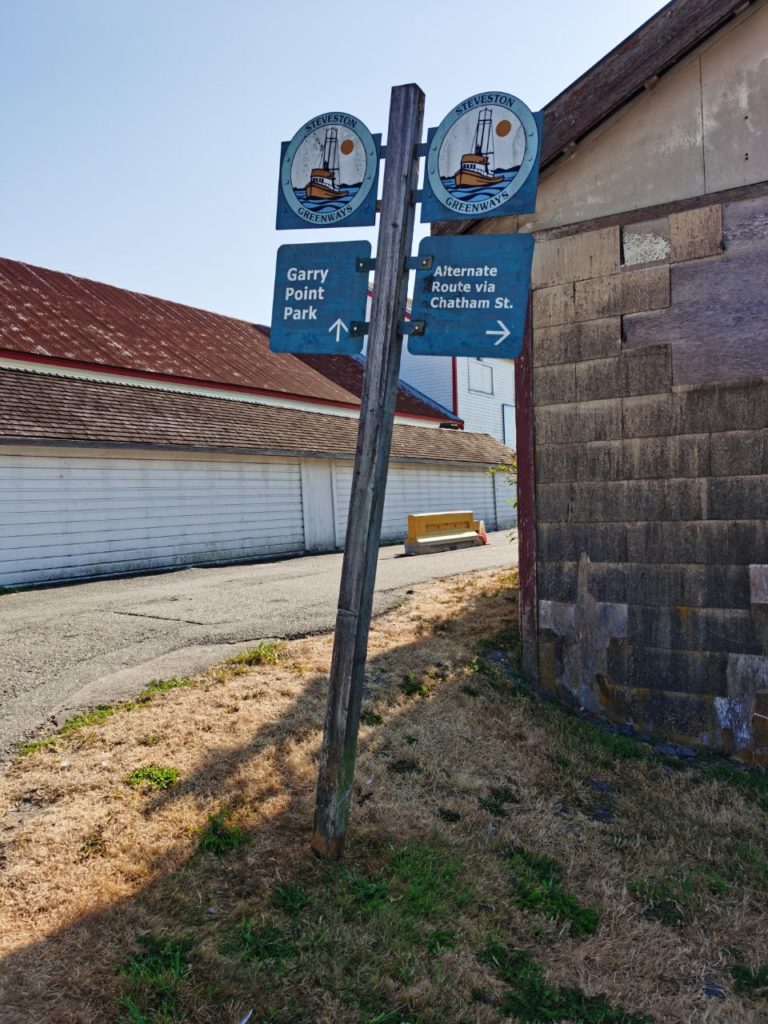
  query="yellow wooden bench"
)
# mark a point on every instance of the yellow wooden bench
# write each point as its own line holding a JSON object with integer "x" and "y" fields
{"x": 443, "y": 531}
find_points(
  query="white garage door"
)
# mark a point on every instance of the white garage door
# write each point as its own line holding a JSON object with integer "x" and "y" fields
{"x": 419, "y": 488}
{"x": 68, "y": 513}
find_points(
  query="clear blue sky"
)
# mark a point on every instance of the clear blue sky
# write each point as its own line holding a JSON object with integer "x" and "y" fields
{"x": 140, "y": 139}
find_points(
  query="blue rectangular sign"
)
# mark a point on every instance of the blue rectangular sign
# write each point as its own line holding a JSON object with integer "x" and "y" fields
{"x": 321, "y": 293}
{"x": 471, "y": 296}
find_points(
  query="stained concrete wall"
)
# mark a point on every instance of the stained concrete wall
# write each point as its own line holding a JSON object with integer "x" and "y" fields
{"x": 652, "y": 494}
{"x": 699, "y": 129}
{"x": 650, "y": 403}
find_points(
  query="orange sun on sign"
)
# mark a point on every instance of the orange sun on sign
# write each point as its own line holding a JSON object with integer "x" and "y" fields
{"x": 503, "y": 128}
{"x": 347, "y": 146}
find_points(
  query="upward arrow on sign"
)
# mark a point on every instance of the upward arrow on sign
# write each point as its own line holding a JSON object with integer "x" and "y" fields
{"x": 338, "y": 326}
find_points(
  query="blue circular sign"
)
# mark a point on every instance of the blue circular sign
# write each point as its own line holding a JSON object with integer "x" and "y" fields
{"x": 482, "y": 153}
{"x": 329, "y": 168}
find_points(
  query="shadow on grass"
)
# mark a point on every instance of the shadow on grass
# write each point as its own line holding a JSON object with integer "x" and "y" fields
{"x": 165, "y": 954}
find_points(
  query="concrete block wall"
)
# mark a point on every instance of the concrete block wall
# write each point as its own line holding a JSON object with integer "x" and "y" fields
{"x": 651, "y": 474}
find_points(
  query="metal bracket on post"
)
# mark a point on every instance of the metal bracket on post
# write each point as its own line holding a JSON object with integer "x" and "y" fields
{"x": 358, "y": 328}
{"x": 366, "y": 507}
{"x": 364, "y": 266}
{"x": 417, "y": 327}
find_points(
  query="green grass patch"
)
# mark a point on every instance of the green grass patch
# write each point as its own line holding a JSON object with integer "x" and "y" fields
{"x": 537, "y": 887}
{"x": 751, "y": 783}
{"x": 85, "y": 720}
{"x": 671, "y": 898}
{"x": 370, "y": 718}
{"x": 253, "y": 943}
{"x": 155, "y": 776}
{"x": 412, "y": 686}
{"x": 157, "y": 686}
{"x": 531, "y": 1000}
{"x": 267, "y": 653}
{"x": 290, "y": 897}
{"x": 152, "y": 980}
{"x": 218, "y": 837}
{"x": 751, "y": 981}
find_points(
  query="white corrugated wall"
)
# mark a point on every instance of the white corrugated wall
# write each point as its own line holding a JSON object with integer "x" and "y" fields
{"x": 72, "y": 513}
{"x": 419, "y": 488}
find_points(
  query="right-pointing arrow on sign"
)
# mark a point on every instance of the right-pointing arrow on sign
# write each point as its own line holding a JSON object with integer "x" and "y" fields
{"x": 504, "y": 333}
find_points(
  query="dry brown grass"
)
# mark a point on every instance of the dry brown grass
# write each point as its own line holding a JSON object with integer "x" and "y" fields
{"x": 448, "y": 781}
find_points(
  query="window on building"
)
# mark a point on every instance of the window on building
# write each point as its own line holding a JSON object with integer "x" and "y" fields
{"x": 480, "y": 377}
{"x": 509, "y": 425}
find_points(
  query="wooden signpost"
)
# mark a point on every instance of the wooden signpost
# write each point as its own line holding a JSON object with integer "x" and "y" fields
{"x": 328, "y": 174}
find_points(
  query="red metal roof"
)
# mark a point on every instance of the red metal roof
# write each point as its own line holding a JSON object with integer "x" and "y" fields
{"x": 52, "y": 317}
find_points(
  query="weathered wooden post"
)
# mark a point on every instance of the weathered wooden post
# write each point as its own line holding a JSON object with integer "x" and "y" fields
{"x": 382, "y": 366}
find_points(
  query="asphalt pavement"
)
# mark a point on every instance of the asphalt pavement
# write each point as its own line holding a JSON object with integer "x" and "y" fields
{"x": 66, "y": 648}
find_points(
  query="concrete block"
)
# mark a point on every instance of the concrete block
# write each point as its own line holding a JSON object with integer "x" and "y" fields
{"x": 738, "y": 453}
{"x": 677, "y": 671}
{"x": 608, "y": 582}
{"x": 554, "y": 385}
{"x": 689, "y": 585}
{"x": 647, "y": 371}
{"x": 631, "y": 291}
{"x": 758, "y": 585}
{"x": 737, "y": 497}
{"x": 599, "y": 378}
{"x": 557, "y": 581}
{"x": 646, "y": 242}
{"x": 556, "y": 463}
{"x": 722, "y": 407}
{"x": 600, "y": 460}
{"x": 574, "y": 424}
{"x": 553, "y": 502}
{"x": 553, "y": 305}
{"x": 661, "y": 458}
{"x": 696, "y": 233}
{"x": 574, "y": 342}
{"x": 585, "y": 254}
{"x": 602, "y": 542}
{"x": 711, "y": 543}
{"x": 648, "y": 416}
{"x": 680, "y": 717}
{"x": 637, "y": 501}
{"x": 731, "y": 630}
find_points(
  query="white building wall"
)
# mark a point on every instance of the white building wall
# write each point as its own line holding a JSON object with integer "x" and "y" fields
{"x": 74, "y": 513}
{"x": 432, "y": 375}
{"x": 420, "y": 488}
{"x": 70, "y": 513}
{"x": 480, "y": 409}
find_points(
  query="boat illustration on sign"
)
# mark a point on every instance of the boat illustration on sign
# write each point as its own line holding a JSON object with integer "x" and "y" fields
{"x": 475, "y": 168}
{"x": 323, "y": 181}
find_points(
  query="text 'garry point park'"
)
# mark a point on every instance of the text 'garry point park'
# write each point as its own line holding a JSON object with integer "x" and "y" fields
{"x": 303, "y": 293}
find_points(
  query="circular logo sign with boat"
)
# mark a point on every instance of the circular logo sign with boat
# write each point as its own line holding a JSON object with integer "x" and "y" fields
{"x": 483, "y": 155}
{"x": 328, "y": 173}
